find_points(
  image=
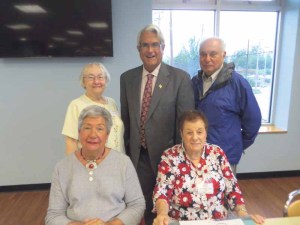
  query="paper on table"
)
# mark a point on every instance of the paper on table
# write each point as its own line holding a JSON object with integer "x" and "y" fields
{"x": 213, "y": 222}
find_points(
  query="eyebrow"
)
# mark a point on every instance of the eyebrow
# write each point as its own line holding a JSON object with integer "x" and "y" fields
{"x": 94, "y": 74}
{"x": 208, "y": 52}
{"x": 98, "y": 124}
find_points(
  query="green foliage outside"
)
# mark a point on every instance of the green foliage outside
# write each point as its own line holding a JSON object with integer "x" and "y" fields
{"x": 254, "y": 64}
{"x": 188, "y": 59}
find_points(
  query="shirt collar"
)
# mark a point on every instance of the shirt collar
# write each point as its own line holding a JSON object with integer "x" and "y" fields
{"x": 154, "y": 72}
{"x": 213, "y": 76}
{"x": 184, "y": 151}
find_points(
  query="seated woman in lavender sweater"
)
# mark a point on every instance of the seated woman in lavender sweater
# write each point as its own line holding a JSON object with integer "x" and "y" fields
{"x": 95, "y": 185}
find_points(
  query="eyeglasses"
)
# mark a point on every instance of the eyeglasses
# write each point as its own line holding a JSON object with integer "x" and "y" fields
{"x": 154, "y": 45}
{"x": 92, "y": 77}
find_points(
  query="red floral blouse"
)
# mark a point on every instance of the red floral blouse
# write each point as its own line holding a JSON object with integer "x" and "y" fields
{"x": 197, "y": 193}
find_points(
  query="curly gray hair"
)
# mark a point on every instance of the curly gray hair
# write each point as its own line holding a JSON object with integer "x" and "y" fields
{"x": 96, "y": 111}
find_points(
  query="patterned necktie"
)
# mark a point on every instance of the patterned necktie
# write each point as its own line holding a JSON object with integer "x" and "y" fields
{"x": 145, "y": 107}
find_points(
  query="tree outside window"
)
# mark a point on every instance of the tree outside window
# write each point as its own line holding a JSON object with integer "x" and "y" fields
{"x": 250, "y": 44}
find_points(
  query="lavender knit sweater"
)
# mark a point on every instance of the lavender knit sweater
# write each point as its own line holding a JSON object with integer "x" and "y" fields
{"x": 115, "y": 192}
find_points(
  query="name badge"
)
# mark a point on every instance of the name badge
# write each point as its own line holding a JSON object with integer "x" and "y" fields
{"x": 205, "y": 187}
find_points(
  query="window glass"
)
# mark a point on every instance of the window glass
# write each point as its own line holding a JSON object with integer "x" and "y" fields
{"x": 183, "y": 31}
{"x": 250, "y": 44}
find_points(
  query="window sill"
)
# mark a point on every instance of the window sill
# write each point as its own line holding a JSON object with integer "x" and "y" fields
{"x": 270, "y": 129}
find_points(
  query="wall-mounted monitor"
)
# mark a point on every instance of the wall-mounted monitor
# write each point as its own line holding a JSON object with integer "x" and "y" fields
{"x": 55, "y": 28}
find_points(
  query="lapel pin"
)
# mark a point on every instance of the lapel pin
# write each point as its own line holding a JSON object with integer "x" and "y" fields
{"x": 160, "y": 86}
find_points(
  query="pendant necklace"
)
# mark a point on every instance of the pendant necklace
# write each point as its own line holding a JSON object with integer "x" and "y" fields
{"x": 91, "y": 164}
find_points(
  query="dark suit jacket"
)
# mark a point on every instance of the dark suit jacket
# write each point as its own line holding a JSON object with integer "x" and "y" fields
{"x": 172, "y": 95}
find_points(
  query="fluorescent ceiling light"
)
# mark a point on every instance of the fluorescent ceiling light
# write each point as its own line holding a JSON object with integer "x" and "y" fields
{"x": 30, "y": 8}
{"x": 85, "y": 49}
{"x": 19, "y": 26}
{"x": 59, "y": 38}
{"x": 75, "y": 32}
{"x": 98, "y": 25}
{"x": 71, "y": 43}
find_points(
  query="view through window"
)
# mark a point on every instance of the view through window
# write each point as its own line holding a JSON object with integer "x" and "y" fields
{"x": 250, "y": 39}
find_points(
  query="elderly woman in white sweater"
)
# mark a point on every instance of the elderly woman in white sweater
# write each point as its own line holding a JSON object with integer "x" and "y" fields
{"x": 94, "y": 78}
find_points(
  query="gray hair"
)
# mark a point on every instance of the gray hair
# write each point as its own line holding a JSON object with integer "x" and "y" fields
{"x": 102, "y": 68}
{"x": 223, "y": 46}
{"x": 154, "y": 29}
{"x": 96, "y": 111}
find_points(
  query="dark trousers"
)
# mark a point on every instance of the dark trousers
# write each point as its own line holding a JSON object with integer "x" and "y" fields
{"x": 233, "y": 168}
{"x": 147, "y": 179}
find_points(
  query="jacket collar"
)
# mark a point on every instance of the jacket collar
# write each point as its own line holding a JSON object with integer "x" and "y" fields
{"x": 223, "y": 78}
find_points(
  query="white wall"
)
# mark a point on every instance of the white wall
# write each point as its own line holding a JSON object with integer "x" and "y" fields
{"x": 280, "y": 152}
{"x": 35, "y": 94}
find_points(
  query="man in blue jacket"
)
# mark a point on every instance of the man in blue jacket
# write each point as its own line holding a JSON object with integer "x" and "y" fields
{"x": 227, "y": 100}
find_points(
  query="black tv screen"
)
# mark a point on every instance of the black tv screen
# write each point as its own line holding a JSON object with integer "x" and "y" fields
{"x": 55, "y": 28}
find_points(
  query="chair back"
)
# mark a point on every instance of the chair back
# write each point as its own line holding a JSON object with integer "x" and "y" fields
{"x": 292, "y": 206}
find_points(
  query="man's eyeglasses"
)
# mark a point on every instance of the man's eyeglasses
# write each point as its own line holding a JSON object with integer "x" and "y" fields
{"x": 92, "y": 77}
{"x": 154, "y": 45}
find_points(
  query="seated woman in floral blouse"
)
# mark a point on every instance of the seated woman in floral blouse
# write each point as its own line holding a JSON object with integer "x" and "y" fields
{"x": 194, "y": 180}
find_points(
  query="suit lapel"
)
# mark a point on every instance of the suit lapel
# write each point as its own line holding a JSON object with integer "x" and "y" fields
{"x": 136, "y": 93}
{"x": 159, "y": 89}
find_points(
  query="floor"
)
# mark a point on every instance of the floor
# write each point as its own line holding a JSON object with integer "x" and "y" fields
{"x": 263, "y": 196}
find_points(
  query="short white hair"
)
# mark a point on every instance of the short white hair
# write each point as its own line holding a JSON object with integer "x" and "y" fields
{"x": 223, "y": 46}
{"x": 99, "y": 65}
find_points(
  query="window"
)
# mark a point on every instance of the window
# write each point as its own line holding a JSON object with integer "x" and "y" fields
{"x": 249, "y": 29}
{"x": 182, "y": 41}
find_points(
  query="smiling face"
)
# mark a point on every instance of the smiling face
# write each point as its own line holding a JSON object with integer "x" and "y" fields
{"x": 94, "y": 81}
{"x": 93, "y": 134}
{"x": 193, "y": 136}
{"x": 151, "y": 50}
{"x": 212, "y": 55}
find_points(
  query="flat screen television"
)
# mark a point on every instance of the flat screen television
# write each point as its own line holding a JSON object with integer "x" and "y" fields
{"x": 55, "y": 28}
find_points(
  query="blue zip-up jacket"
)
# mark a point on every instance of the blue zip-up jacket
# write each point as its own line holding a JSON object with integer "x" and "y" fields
{"x": 233, "y": 114}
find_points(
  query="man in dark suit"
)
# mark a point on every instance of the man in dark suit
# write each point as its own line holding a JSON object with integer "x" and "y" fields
{"x": 148, "y": 136}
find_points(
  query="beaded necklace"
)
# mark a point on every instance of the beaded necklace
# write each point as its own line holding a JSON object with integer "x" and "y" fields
{"x": 91, "y": 164}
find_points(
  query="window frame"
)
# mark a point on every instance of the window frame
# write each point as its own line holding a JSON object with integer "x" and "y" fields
{"x": 233, "y": 5}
